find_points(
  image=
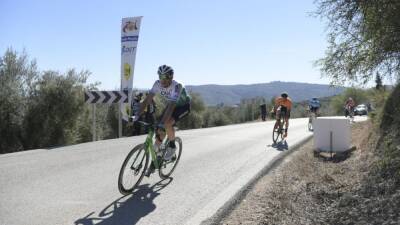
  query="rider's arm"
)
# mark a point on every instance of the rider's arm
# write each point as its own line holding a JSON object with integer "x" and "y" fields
{"x": 146, "y": 101}
{"x": 277, "y": 101}
{"x": 289, "y": 104}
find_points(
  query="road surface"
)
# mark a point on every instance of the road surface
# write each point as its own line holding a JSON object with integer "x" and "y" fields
{"x": 78, "y": 184}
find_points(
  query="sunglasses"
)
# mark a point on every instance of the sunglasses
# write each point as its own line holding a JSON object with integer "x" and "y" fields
{"x": 163, "y": 77}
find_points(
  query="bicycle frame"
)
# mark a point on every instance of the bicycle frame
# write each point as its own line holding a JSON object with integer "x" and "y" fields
{"x": 311, "y": 116}
{"x": 148, "y": 144}
{"x": 281, "y": 122}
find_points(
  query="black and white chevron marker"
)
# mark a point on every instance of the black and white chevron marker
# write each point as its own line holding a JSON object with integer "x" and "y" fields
{"x": 107, "y": 97}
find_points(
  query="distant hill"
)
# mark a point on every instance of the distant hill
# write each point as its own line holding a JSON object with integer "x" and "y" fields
{"x": 213, "y": 94}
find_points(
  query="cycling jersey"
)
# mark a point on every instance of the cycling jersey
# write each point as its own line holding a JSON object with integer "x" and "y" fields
{"x": 314, "y": 103}
{"x": 350, "y": 103}
{"x": 175, "y": 92}
{"x": 279, "y": 101}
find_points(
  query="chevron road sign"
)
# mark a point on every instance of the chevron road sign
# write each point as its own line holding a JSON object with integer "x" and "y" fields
{"x": 107, "y": 97}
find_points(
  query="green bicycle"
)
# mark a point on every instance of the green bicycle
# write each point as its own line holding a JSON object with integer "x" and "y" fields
{"x": 136, "y": 162}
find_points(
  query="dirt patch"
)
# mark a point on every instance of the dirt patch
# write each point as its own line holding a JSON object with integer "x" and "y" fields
{"x": 309, "y": 190}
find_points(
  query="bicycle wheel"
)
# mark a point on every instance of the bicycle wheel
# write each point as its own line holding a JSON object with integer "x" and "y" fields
{"x": 133, "y": 169}
{"x": 310, "y": 120}
{"x": 277, "y": 132}
{"x": 168, "y": 166}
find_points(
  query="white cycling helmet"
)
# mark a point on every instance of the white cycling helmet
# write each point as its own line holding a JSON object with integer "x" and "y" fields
{"x": 165, "y": 72}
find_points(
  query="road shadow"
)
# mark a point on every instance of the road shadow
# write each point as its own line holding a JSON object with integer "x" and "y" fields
{"x": 280, "y": 146}
{"x": 129, "y": 209}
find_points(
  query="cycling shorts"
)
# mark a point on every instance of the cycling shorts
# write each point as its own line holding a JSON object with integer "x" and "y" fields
{"x": 284, "y": 110}
{"x": 179, "y": 112}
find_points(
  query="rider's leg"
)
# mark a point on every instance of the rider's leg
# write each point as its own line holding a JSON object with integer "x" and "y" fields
{"x": 170, "y": 129}
{"x": 277, "y": 115}
{"x": 287, "y": 122}
{"x": 170, "y": 153}
{"x": 286, "y": 126}
{"x": 160, "y": 136}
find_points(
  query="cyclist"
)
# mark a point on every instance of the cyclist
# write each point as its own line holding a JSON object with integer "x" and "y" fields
{"x": 283, "y": 104}
{"x": 314, "y": 105}
{"x": 178, "y": 106}
{"x": 349, "y": 106}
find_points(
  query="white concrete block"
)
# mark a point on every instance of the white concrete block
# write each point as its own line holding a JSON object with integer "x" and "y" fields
{"x": 339, "y": 128}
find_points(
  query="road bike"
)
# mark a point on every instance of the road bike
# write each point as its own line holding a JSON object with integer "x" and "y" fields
{"x": 311, "y": 117}
{"x": 278, "y": 129}
{"x": 137, "y": 161}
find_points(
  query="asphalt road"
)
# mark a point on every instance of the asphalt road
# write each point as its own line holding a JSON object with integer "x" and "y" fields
{"x": 78, "y": 184}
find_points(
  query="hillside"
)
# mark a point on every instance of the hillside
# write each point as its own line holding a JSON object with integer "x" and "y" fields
{"x": 213, "y": 94}
{"x": 361, "y": 186}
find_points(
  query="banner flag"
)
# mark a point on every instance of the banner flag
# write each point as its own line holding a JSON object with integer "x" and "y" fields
{"x": 129, "y": 39}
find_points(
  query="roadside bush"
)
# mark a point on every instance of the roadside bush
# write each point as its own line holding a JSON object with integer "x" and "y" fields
{"x": 53, "y": 110}
{"x": 17, "y": 73}
{"x": 359, "y": 96}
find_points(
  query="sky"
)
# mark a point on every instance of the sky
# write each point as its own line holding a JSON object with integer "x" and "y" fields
{"x": 205, "y": 41}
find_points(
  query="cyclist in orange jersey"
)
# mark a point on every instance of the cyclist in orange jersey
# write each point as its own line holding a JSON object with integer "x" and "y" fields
{"x": 283, "y": 104}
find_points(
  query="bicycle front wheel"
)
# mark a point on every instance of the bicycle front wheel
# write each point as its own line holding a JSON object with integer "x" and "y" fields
{"x": 133, "y": 169}
{"x": 168, "y": 166}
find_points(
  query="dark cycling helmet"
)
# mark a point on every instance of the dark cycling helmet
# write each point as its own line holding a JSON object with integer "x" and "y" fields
{"x": 140, "y": 94}
{"x": 284, "y": 95}
{"x": 165, "y": 72}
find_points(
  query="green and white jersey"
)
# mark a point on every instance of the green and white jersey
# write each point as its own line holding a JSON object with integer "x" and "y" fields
{"x": 175, "y": 92}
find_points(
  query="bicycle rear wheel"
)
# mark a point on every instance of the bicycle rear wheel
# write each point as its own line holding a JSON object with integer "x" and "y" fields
{"x": 277, "y": 133}
{"x": 168, "y": 166}
{"x": 310, "y": 121}
{"x": 133, "y": 169}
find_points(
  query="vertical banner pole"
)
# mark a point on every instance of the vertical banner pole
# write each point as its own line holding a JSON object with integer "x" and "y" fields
{"x": 94, "y": 122}
{"x": 129, "y": 40}
{"x": 119, "y": 121}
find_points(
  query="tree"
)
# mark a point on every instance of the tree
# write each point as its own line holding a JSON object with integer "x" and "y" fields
{"x": 358, "y": 95}
{"x": 55, "y": 106}
{"x": 17, "y": 75}
{"x": 363, "y": 38}
{"x": 194, "y": 119}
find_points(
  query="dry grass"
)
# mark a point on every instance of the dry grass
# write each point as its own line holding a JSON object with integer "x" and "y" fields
{"x": 312, "y": 190}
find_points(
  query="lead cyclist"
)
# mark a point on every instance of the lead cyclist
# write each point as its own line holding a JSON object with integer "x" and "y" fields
{"x": 178, "y": 106}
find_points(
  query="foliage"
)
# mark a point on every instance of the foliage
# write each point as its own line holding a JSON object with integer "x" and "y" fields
{"x": 54, "y": 107}
{"x": 364, "y": 38}
{"x": 17, "y": 75}
{"x": 194, "y": 119}
{"x": 359, "y": 96}
{"x": 383, "y": 180}
{"x": 41, "y": 109}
